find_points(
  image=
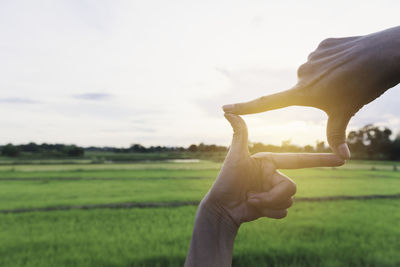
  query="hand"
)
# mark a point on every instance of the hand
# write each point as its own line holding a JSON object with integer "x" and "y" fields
{"x": 249, "y": 187}
{"x": 340, "y": 77}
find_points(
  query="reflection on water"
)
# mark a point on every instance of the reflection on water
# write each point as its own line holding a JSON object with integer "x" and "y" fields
{"x": 184, "y": 160}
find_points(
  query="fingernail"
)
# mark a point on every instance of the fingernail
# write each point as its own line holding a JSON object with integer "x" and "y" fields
{"x": 228, "y": 108}
{"x": 344, "y": 151}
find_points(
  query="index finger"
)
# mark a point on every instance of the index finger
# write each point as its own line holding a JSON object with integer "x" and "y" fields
{"x": 283, "y": 189}
{"x": 274, "y": 101}
{"x": 301, "y": 160}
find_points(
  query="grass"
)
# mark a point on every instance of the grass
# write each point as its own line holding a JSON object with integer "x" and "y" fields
{"x": 37, "y": 194}
{"x": 27, "y": 194}
{"x": 343, "y": 233}
{"x": 46, "y": 186}
{"x": 338, "y": 233}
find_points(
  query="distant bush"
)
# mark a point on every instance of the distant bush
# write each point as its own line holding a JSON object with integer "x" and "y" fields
{"x": 73, "y": 151}
{"x": 10, "y": 150}
{"x": 373, "y": 142}
{"x": 192, "y": 148}
{"x": 43, "y": 150}
{"x": 206, "y": 148}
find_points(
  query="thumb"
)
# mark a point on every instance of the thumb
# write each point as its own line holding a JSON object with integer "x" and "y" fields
{"x": 240, "y": 134}
{"x": 336, "y": 134}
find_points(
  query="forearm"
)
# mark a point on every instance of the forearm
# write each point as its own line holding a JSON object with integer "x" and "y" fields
{"x": 212, "y": 239}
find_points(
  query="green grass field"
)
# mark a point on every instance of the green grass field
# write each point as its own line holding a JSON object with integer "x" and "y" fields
{"x": 328, "y": 233}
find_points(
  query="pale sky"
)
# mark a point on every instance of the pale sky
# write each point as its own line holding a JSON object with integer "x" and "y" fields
{"x": 157, "y": 72}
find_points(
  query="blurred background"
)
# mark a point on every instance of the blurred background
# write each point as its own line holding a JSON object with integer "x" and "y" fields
{"x": 112, "y": 131}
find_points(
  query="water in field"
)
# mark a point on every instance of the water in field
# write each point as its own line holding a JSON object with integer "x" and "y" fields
{"x": 184, "y": 160}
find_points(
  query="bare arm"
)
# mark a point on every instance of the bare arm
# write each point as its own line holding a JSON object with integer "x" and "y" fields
{"x": 212, "y": 240}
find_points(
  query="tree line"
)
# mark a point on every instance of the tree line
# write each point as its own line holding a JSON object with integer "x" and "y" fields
{"x": 48, "y": 150}
{"x": 369, "y": 142}
{"x": 373, "y": 142}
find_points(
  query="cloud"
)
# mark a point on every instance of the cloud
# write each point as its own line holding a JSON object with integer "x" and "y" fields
{"x": 92, "y": 96}
{"x": 382, "y": 111}
{"x": 129, "y": 130}
{"x": 257, "y": 21}
{"x": 18, "y": 100}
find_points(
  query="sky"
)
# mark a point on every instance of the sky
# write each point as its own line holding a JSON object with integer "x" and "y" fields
{"x": 115, "y": 73}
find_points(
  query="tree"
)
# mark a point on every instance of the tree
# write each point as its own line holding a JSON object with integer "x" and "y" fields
{"x": 320, "y": 147}
{"x": 394, "y": 153}
{"x": 137, "y": 148}
{"x": 31, "y": 147}
{"x": 308, "y": 149}
{"x": 10, "y": 150}
{"x": 73, "y": 151}
{"x": 371, "y": 141}
{"x": 192, "y": 148}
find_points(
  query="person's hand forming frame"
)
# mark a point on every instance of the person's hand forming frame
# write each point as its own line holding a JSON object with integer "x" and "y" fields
{"x": 340, "y": 77}
{"x": 247, "y": 187}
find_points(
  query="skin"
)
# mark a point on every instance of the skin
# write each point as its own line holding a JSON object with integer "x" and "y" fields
{"x": 247, "y": 188}
{"x": 340, "y": 77}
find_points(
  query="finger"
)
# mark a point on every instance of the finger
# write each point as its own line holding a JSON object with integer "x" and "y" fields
{"x": 279, "y": 100}
{"x": 240, "y": 134}
{"x": 300, "y": 160}
{"x": 275, "y": 214}
{"x": 285, "y": 204}
{"x": 283, "y": 189}
{"x": 336, "y": 134}
{"x": 280, "y": 206}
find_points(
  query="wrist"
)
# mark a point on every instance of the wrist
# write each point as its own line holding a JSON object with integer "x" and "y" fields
{"x": 212, "y": 239}
{"x": 218, "y": 215}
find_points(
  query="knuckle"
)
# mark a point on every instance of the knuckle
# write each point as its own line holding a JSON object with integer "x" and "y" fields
{"x": 239, "y": 162}
{"x": 336, "y": 138}
{"x": 267, "y": 200}
{"x": 339, "y": 162}
{"x": 303, "y": 69}
{"x": 282, "y": 214}
{"x": 267, "y": 156}
{"x": 326, "y": 42}
{"x": 311, "y": 56}
{"x": 270, "y": 162}
{"x": 292, "y": 188}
